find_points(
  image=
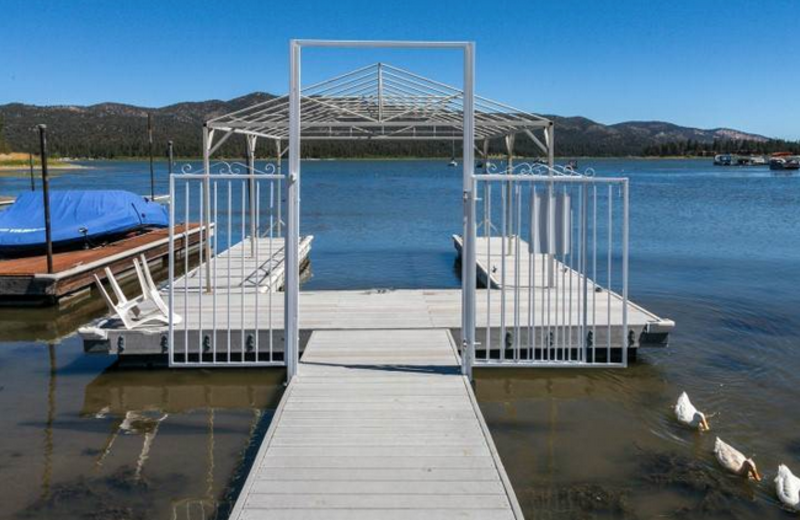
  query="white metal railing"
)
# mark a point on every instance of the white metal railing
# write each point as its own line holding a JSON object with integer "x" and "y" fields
{"x": 226, "y": 294}
{"x": 552, "y": 252}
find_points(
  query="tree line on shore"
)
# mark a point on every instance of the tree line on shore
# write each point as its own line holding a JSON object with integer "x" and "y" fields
{"x": 690, "y": 148}
{"x": 120, "y": 132}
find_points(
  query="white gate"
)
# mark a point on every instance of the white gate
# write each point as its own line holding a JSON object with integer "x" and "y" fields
{"x": 237, "y": 264}
{"x": 552, "y": 254}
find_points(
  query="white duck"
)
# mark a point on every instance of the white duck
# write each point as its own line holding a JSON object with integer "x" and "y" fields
{"x": 688, "y": 415}
{"x": 733, "y": 460}
{"x": 788, "y": 488}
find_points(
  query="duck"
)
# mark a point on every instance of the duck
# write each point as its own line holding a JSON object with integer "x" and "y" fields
{"x": 734, "y": 461}
{"x": 787, "y": 486}
{"x": 688, "y": 415}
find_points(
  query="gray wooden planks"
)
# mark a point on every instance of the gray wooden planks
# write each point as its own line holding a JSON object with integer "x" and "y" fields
{"x": 363, "y": 432}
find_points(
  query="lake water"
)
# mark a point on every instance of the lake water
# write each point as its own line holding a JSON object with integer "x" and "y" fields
{"x": 715, "y": 249}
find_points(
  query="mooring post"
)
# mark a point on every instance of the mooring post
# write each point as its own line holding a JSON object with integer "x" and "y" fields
{"x": 46, "y": 195}
{"x": 150, "y": 151}
{"x": 33, "y": 183}
{"x": 169, "y": 158}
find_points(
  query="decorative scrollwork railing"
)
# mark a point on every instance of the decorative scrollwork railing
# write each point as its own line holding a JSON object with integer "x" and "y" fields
{"x": 230, "y": 168}
{"x": 538, "y": 169}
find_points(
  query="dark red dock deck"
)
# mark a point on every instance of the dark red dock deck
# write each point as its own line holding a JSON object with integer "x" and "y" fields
{"x": 27, "y": 279}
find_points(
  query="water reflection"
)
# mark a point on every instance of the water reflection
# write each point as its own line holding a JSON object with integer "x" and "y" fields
{"x": 89, "y": 442}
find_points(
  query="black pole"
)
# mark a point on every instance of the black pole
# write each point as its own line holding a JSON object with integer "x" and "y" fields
{"x": 150, "y": 148}
{"x": 33, "y": 183}
{"x": 46, "y": 194}
{"x": 169, "y": 154}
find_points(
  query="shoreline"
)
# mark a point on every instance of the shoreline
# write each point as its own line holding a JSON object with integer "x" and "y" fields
{"x": 379, "y": 158}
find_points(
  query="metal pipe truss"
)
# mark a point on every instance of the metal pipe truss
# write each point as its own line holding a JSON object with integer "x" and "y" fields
{"x": 380, "y": 102}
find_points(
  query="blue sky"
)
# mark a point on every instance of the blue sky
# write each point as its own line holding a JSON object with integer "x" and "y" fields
{"x": 697, "y": 63}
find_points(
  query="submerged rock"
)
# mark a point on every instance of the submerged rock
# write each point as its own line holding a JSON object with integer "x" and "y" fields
{"x": 576, "y": 501}
{"x": 715, "y": 493}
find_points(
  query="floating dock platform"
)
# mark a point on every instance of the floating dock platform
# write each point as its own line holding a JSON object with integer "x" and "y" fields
{"x": 378, "y": 309}
{"x": 378, "y": 424}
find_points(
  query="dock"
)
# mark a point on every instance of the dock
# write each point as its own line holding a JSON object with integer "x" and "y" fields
{"x": 378, "y": 424}
{"x": 377, "y": 309}
{"x": 26, "y": 280}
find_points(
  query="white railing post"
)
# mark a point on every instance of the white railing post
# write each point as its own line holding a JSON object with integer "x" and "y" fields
{"x": 171, "y": 339}
{"x": 291, "y": 245}
{"x": 625, "y": 230}
{"x": 207, "y": 136}
{"x": 469, "y": 268}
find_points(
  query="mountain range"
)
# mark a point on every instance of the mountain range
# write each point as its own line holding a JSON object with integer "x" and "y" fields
{"x": 120, "y": 130}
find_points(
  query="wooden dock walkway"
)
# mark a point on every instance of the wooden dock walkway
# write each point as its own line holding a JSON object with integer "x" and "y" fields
{"x": 378, "y": 424}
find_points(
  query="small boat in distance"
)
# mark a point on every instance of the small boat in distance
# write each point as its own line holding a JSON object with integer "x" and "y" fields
{"x": 783, "y": 161}
{"x": 724, "y": 159}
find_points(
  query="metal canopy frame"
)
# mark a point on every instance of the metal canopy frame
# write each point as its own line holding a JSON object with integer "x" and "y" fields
{"x": 377, "y": 102}
{"x": 380, "y": 102}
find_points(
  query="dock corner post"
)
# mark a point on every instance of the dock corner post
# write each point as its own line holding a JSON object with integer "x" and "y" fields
{"x": 292, "y": 240}
{"x": 48, "y": 232}
{"x": 469, "y": 269}
{"x": 208, "y": 135}
{"x": 625, "y": 267}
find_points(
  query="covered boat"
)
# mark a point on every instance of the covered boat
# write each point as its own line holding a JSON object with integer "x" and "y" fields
{"x": 78, "y": 218}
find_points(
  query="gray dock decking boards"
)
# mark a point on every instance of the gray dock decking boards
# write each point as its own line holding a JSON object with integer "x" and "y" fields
{"x": 378, "y": 424}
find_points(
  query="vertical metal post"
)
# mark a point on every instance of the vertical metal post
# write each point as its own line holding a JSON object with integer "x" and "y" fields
{"x": 207, "y": 136}
{"x": 280, "y": 185}
{"x": 469, "y": 269}
{"x": 551, "y": 160}
{"x": 150, "y": 152}
{"x": 510, "y": 206}
{"x": 46, "y": 195}
{"x": 33, "y": 183}
{"x": 625, "y": 230}
{"x": 380, "y": 91}
{"x": 292, "y": 283}
{"x": 251, "y": 168}
{"x": 172, "y": 264}
{"x": 170, "y": 159}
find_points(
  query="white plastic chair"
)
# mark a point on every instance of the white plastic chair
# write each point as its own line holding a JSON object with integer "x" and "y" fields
{"x": 149, "y": 288}
{"x": 130, "y": 312}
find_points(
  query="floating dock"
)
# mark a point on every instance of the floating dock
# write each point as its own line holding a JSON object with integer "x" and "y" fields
{"x": 26, "y": 280}
{"x": 378, "y": 309}
{"x": 378, "y": 424}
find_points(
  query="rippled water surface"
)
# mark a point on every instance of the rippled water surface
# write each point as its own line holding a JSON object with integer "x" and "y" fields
{"x": 715, "y": 249}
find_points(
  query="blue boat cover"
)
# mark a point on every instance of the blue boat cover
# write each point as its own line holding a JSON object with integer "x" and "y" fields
{"x": 76, "y": 215}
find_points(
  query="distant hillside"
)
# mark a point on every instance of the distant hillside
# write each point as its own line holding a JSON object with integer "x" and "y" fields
{"x": 117, "y": 130}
